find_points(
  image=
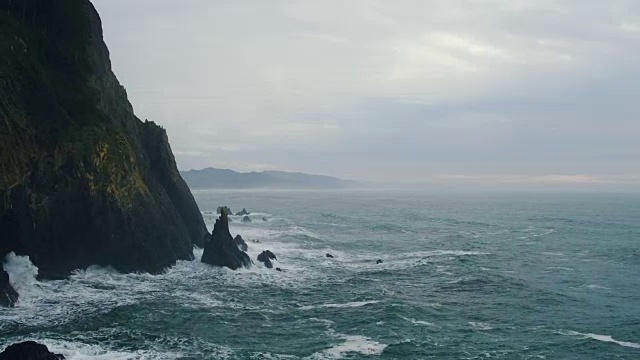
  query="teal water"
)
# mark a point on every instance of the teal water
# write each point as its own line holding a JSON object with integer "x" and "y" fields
{"x": 464, "y": 276}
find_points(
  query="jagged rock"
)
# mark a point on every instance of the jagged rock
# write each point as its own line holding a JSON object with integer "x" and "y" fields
{"x": 379, "y": 261}
{"x": 329, "y": 255}
{"x": 243, "y": 212}
{"x": 29, "y": 350}
{"x": 8, "y": 295}
{"x": 278, "y": 269}
{"x": 246, "y": 219}
{"x": 242, "y": 245}
{"x": 265, "y": 257}
{"x": 82, "y": 180}
{"x": 219, "y": 210}
{"x": 264, "y": 219}
{"x": 221, "y": 249}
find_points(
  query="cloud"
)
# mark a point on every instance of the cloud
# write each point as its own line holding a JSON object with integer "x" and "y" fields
{"x": 387, "y": 90}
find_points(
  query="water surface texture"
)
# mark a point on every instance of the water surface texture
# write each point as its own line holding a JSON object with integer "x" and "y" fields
{"x": 466, "y": 276}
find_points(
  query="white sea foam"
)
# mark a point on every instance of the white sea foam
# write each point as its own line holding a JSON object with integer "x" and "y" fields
{"x": 352, "y": 344}
{"x": 418, "y": 322}
{"x": 353, "y": 304}
{"x": 480, "y": 325}
{"x": 81, "y": 351}
{"x": 604, "y": 338}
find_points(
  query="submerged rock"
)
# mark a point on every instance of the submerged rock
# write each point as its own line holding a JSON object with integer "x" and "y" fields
{"x": 246, "y": 219}
{"x": 329, "y": 255}
{"x": 29, "y": 350}
{"x": 278, "y": 269}
{"x": 221, "y": 249}
{"x": 242, "y": 245}
{"x": 379, "y": 261}
{"x": 220, "y": 208}
{"x": 265, "y": 257}
{"x": 243, "y": 212}
{"x": 265, "y": 219}
{"x": 8, "y": 295}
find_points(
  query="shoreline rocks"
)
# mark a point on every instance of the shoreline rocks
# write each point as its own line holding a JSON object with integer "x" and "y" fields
{"x": 265, "y": 257}
{"x": 242, "y": 245}
{"x": 221, "y": 249}
{"x": 242, "y": 213}
{"x": 29, "y": 350}
{"x": 8, "y": 295}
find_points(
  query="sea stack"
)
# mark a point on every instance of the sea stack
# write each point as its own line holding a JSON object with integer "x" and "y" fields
{"x": 243, "y": 212}
{"x": 221, "y": 249}
{"x": 265, "y": 257}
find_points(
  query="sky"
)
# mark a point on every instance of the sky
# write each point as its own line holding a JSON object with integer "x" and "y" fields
{"x": 408, "y": 91}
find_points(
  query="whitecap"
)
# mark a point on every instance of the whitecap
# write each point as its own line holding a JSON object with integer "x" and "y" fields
{"x": 352, "y": 344}
{"x": 480, "y": 325}
{"x": 417, "y": 322}
{"x": 82, "y": 351}
{"x": 353, "y": 304}
{"x": 604, "y": 338}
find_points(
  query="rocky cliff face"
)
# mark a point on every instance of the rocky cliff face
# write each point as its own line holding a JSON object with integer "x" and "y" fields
{"x": 82, "y": 180}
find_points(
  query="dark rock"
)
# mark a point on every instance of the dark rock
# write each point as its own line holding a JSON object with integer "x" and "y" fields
{"x": 379, "y": 261}
{"x": 82, "y": 180}
{"x": 242, "y": 245}
{"x": 264, "y": 219}
{"x": 256, "y": 241}
{"x": 278, "y": 269}
{"x": 29, "y": 350}
{"x": 265, "y": 257}
{"x": 221, "y": 249}
{"x": 329, "y": 255}
{"x": 246, "y": 219}
{"x": 243, "y": 212}
{"x": 220, "y": 208}
{"x": 8, "y": 295}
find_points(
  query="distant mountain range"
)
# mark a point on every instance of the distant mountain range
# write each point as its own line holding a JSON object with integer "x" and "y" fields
{"x": 211, "y": 178}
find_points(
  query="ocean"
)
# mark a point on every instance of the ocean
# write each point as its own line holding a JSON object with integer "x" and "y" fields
{"x": 463, "y": 276}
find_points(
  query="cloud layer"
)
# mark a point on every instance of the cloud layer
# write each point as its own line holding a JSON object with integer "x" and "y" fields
{"x": 388, "y": 90}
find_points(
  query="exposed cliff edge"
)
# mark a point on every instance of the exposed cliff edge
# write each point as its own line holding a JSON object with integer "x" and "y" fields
{"x": 82, "y": 180}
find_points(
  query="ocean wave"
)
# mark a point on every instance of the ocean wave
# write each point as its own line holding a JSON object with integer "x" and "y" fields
{"x": 603, "y": 338}
{"x": 353, "y": 304}
{"x": 82, "y": 351}
{"x": 352, "y": 344}
{"x": 480, "y": 326}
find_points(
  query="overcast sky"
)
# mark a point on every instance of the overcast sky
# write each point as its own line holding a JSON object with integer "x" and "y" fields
{"x": 536, "y": 91}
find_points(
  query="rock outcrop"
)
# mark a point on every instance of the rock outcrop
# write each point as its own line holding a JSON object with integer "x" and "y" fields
{"x": 265, "y": 219}
{"x": 329, "y": 255}
{"x": 242, "y": 245}
{"x": 29, "y": 350}
{"x": 82, "y": 180}
{"x": 265, "y": 257}
{"x": 379, "y": 261}
{"x": 221, "y": 249}
{"x": 226, "y": 208}
{"x": 8, "y": 295}
{"x": 243, "y": 212}
{"x": 246, "y": 219}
